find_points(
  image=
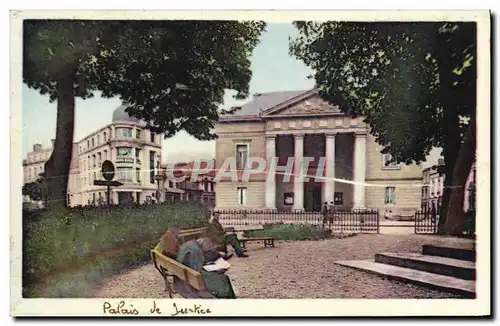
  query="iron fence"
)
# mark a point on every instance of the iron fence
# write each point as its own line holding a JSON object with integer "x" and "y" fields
{"x": 353, "y": 220}
{"x": 426, "y": 220}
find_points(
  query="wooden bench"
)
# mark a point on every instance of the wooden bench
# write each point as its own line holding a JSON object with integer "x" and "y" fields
{"x": 166, "y": 273}
{"x": 268, "y": 241}
{"x": 186, "y": 282}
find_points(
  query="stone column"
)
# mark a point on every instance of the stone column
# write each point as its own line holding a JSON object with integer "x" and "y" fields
{"x": 298, "y": 182}
{"x": 270, "y": 176}
{"x": 359, "y": 169}
{"x": 329, "y": 183}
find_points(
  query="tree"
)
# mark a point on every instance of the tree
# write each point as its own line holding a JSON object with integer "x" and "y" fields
{"x": 413, "y": 82}
{"x": 171, "y": 74}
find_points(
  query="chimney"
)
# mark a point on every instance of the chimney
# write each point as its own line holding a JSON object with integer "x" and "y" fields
{"x": 53, "y": 143}
{"x": 37, "y": 147}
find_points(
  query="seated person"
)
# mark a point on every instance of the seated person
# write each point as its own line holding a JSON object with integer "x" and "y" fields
{"x": 216, "y": 228}
{"x": 195, "y": 254}
{"x": 171, "y": 242}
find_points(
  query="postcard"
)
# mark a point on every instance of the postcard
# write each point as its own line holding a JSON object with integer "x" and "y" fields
{"x": 341, "y": 148}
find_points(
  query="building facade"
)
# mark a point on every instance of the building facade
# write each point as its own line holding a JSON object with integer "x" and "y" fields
{"x": 299, "y": 124}
{"x": 433, "y": 180}
{"x": 136, "y": 154}
{"x": 133, "y": 149}
{"x": 34, "y": 165}
{"x": 432, "y": 192}
{"x": 202, "y": 189}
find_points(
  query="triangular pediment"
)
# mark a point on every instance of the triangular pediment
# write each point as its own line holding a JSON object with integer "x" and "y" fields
{"x": 309, "y": 104}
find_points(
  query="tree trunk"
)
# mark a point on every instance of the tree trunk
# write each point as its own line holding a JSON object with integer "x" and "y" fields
{"x": 57, "y": 167}
{"x": 451, "y": 148}
{"x": 466, "y": 156}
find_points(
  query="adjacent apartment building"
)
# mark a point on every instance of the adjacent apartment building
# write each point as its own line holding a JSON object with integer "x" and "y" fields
{"x": 432, "y": 193}
{"x": 134, "y": 150}
{"x": 202, "y": 189}
{"x": 299, "y": 124}
{"x": 34, "y": 165}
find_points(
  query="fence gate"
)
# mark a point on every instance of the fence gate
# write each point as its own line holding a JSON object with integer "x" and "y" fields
{"x": 426, "y": 221}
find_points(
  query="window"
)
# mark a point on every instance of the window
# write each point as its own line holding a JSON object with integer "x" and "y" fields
{"x": 93, "y": 144}
{"x": 29, "y": 172}
{"x": 124, "y": 132}
{"x": 88, "y": 144}
{"x": 137, "y": 153}
{"x": 390, "y": 195}
{"x": 170, "y": 184}
{"x": 138, "y": 174}
{"x": 241, "y": 156}
{"x": 338, "y": 198}
{"x": 124, "y": 154}
{"x": 138, "y": 134}
{"x": 99, "y": 158}
{"x": 152, "y": 137}
{"x": 151, "y": 166}
{"x": 386, "y": 158}
{"x": 104, "y": 137}
{"x": 93, "y": 160}
{"x": 93, "y": 198}
{"x": 242, "y": 196}
{"x": 88, "y": 161}
{"x": 84, "y": 180}
{"x": 98, "y": 139}
{"x": 105, "y": 154}
{"x": 95, "y": 176}
{"x": 124, "y": 174}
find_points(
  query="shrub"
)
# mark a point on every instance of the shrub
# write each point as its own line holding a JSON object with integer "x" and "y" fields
{"x": 293, "y": 232}
{"x": 58, "y": 244}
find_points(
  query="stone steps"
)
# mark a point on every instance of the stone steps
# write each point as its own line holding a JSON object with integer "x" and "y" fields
{"x": 440, "y": 268}
{"x": 455, "y": 253}
{"x": 434, "y": 281}
{"x": 433, "y": 264}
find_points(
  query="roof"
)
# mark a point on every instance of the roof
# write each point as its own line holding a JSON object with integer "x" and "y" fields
{"x": 120, "y": 115}
{"x": 186, "y": 168}
{"x": 265, "y": 101}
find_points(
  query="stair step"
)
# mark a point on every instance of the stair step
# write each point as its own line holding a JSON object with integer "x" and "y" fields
{"x": 455, "y": 253}
{"x": 438, "y": 282}
{"x": 433, "y": 264}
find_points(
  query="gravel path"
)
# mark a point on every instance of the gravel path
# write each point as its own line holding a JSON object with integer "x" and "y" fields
{"x": 302, "y": 269}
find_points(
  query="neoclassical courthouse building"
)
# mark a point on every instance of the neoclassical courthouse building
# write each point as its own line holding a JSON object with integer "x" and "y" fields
{"x": 299, "y": 124}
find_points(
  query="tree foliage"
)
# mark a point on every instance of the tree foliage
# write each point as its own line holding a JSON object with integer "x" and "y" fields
{"x": 33, "y": 190}
{"x": 415, "y": 84}
{"x": 392, "y": 74}
{"x": 171, "y": 74}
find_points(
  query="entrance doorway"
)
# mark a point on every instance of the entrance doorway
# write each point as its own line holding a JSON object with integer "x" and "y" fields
{"x": 312, "y": 196}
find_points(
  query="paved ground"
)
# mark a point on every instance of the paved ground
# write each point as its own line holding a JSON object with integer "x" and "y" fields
{"x": 302, "y": 269}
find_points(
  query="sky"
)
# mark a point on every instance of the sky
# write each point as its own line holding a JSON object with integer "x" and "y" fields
{"x": 273, "y": 70}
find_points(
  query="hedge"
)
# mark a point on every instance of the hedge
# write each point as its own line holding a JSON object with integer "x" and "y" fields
{"x": 292, "y": 232}
{"x": 65, "y": 252}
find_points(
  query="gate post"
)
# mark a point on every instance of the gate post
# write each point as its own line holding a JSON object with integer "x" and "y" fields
{"x": 378, "y": 221}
